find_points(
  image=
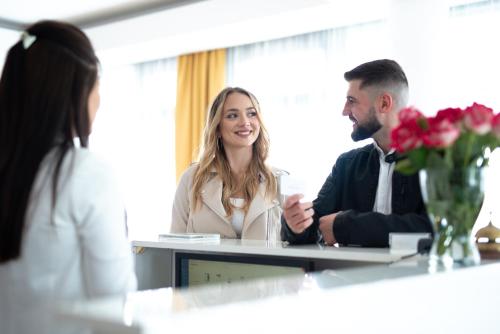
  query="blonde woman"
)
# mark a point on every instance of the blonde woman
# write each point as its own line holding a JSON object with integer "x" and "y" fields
{"x": 230, "y": 191}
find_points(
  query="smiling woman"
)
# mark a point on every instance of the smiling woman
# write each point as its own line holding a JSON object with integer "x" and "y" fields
{"x": 231, "y": 190}
{"x": 240, "y": 126}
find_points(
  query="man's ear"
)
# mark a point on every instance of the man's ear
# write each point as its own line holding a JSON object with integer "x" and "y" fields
{"x": 386, "y": 102}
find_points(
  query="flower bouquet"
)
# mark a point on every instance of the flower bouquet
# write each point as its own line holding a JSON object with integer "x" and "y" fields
{"x": 450, "y": 150}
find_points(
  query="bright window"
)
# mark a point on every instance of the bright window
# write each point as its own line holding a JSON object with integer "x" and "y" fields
{"x": 134, "y": 130}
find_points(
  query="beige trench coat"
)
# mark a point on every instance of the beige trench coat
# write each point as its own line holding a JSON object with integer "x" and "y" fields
{"x": 211, "y": 216}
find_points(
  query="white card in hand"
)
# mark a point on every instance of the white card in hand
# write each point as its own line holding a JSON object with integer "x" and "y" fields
{"x": 291, "y": 185}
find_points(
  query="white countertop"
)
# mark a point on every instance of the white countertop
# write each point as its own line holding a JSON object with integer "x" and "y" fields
{"x": 397, "y": 299}
{"x": 262, "y": 247}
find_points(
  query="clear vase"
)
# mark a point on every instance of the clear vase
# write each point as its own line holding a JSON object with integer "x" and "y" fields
{"x": 453, "y": 199}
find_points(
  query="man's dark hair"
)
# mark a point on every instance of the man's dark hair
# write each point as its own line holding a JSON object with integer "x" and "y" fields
{"x": 380, "y": 72}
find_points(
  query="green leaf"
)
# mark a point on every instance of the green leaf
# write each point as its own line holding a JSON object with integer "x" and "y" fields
{"x": 405, "y": 167}
{"x": 418, "y": 157}
{"x": 437, "y": 159}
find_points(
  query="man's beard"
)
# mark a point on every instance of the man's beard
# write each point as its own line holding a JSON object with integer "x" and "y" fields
{"x": 366, "y": 130}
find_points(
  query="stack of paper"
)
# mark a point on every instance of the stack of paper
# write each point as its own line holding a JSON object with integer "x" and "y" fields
{"x": 189, "y": 236}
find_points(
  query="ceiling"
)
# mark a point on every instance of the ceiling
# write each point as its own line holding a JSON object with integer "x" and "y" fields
{"x": 18, "y": 14}
{"x": 130, "y": 31}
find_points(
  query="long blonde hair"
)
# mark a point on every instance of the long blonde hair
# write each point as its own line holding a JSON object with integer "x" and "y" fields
{"x": 213, "y": 157}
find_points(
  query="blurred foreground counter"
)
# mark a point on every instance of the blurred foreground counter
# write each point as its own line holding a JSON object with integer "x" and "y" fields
{"x": 404, "y": 297}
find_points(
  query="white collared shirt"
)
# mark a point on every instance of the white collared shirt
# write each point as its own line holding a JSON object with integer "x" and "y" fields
{"x": 383, "y": 198}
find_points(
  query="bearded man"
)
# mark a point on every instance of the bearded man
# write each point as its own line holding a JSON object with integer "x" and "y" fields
{"x": 363, "y": 199}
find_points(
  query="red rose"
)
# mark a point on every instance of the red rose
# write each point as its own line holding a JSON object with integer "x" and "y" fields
{"x": 495, "y": 125}
{"x": 452, "y": 114}
{"x": 409, "y": 114}
{"x": 441, "y": 133}
{"x": 407, "y": 136}
{"x": 478, "y": 118}
{"x": 439, "y": 137}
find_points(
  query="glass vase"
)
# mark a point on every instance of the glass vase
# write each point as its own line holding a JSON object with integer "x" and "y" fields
{"x": 453, "y": 199}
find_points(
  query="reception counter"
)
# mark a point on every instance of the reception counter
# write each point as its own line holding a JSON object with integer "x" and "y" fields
{"x": 406, "y": 297}
{"x": 165, "y": 263}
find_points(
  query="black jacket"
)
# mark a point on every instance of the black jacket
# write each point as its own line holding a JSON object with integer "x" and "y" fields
{"x": 351, "y": 188}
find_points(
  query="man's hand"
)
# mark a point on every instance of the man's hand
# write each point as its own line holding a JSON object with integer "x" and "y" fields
{"x": 298, "y": 216}
{"x": 326, "y": 228}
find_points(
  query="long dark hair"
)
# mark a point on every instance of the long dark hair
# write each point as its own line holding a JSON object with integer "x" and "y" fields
{"x": 44, "y": 92}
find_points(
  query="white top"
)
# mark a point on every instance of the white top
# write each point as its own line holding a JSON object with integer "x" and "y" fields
{"x": 238, "y": 216}
{"x": 82, "y": 253}
{"x": 383, "y": 198}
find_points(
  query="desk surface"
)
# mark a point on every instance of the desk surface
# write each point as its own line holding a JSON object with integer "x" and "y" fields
{"x": 402, "y": 298}
{"x": 265, "y": 248}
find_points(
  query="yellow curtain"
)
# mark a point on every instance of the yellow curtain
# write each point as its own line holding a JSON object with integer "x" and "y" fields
{"x": 200, "y": 76}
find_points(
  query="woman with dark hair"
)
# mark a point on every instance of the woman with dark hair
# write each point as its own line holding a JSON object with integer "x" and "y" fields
{"x": 62, "y": 219}
{"x": 231, "y": 190}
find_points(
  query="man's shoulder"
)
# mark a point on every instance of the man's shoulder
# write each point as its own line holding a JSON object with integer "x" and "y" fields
{"x": 356, "y": 153}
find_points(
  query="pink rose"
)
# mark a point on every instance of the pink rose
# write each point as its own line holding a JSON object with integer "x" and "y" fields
{"x": 452, "y": 114}
{"x": 478, "y": 118}
{"x": 441, "y": 133}
{"x": 407, "y": 136}
{"x": 495, "y": 125}
{"x": 409, "y": 114}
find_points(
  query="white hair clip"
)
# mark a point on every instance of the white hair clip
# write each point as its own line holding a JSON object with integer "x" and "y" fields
{"x": 27, "y": 39}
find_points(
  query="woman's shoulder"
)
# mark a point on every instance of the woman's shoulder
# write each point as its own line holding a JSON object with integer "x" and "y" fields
{"x": 84, "y": 168}
{"x": 83, "y": 176}
{"x": 187, "y": 176}
{"x": 190, "y": 171}
{"x": 85, "y": 161}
